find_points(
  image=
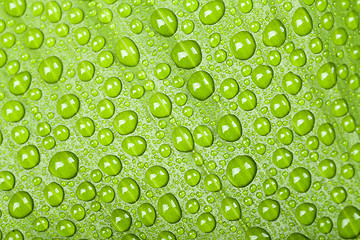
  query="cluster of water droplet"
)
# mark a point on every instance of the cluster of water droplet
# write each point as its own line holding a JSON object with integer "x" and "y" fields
{"x": 163, "y": 120}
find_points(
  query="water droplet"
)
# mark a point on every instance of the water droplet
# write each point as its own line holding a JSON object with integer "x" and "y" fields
{"x": 269, "y": 209}
{"x": 187, "y": 54}
{"x": 229, "y": 128}
{"x": 297, "y": 236}
{"x": 298, "y": 58}
{"x": 292, "y": 83}
{"x": 41, "y": 224}
{"x": 107, "y": 194}
{"x": 34, "y": 38}
{"x": 206, "y": 222}
{"x": 20, "y": 205}
{"x": 326, "y": 134}
{"x": 327, "y": 168}
{"x": 53, "y": 11}
{"x": 28, "y": 157}
{"x": 124, "y": 10}
{"x": 164, "y": 21}
{"x": 13, "y": 111}
{"x": 212, "y": 12}
{"x": 245, "y": 6}
{"x": 241, "y": 171}
{"x": 15, "y": 8}
{"x": 160, "y": 105}
{"x": 169, "y": 208}
{"x": 274, "y": 34}
{"x": 352, "y": 20}
{"x": 147, "y": 214}
{"x": 105, "y": 15}
{"x": 326, "y": 75}
{"x": 7, "y": 180}
{"x": 112, "y": 87}
{"x": 127, "y": 52}
{"x": 192, "y": 206}
{"x": 78, "y": 212}
{"x": 53, "y": 194}
{"x": 316, "y": 45}
{"x": 3, "y": 58}
{"x": 98, "y": 43}
{"x": 280, "y": 106}
{"x": 35, "y": 94}
{"x": 339, "y": 36}
{"x": 302, "y": 22}
{"x": 242, "y": 45}
{"x": 338, "y": 195}
{"x": 347, "y": 171}
{"x": 192, "y": 177}
{"x": 86, "y": 191}
{"x": 282, "y": 158}
{"x": 68, "y": 105}
{"x": 214, "y": 39}
{"x": 262, "y": 126}
{"x": 303, "y": 122}
{"x": 262, "y": 76}
{"x": 14, "y": 235}
{"x": 270, "y": 186}
{"x": 253, "y": 233}
{"x": 134, "y": 145}
{"x": 125, "y": 122}
{"x": 325, "y": 225}
{"x": 51, "y": 69}
{"x": 300, "y": 179}
{"x": 212, "y": 183}
{"x": 162, "y": 71}
{"x": 75, "y": 15}
{"x": 157, "y": 176}
{"x": 247, "y": 100}
{"x": 327, "y": 20}
{"x": 229, "y": 88}
{"x": 348, "y": 222}
{"x": 305, "y": 213}
{"x": 355, "y": 152}
{"x": 339, "y": 108}
{"x": 66, "y": 228}
{"x": 201, "y": 85}
{"x": 85, "y": 71}
{"x": 62, "y": 133}
{"x": 182, "y": 139}
{"x": 274, "y": 58}
{"x": 105, "y": 109}
{"x": 128, "y": 190}
{"x": 230, "y": 209}
{"x": 203, "y": 136}
{"x": 64, "y": 165}
{"x": 166, "y": 235}
{"x": 283, "y": 193}
{"x": 43, "y": 129}
{"x": 85, "y": 126}
{"x": 136, "y": 26}
{"x": 110, "y": 165}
